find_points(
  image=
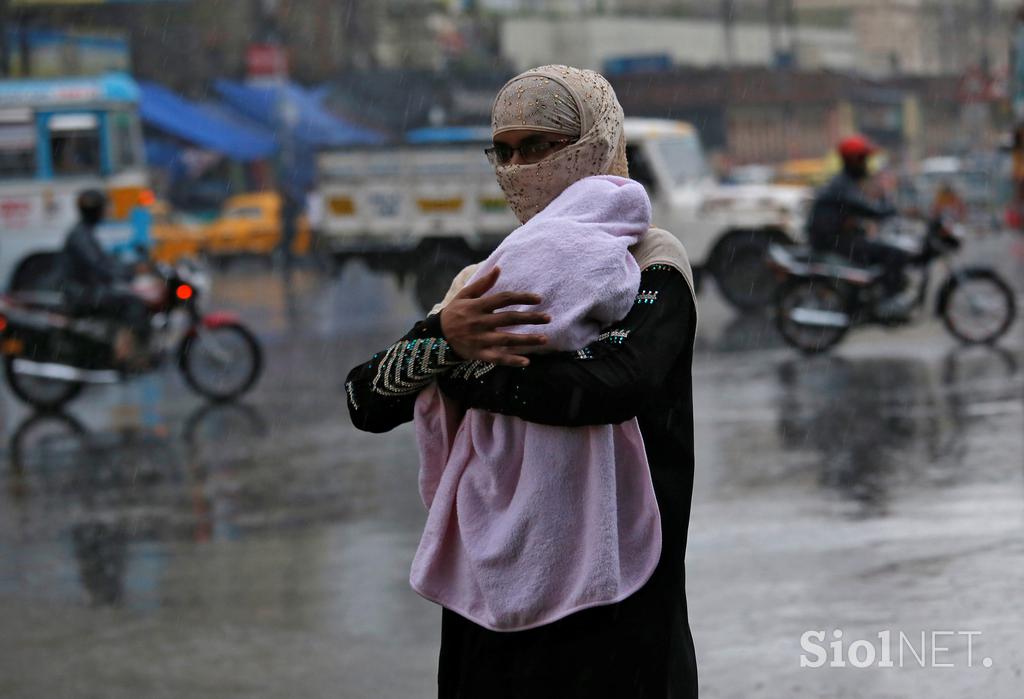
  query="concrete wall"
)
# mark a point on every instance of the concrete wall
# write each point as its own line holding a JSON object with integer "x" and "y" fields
{"x": 588, "y": 42}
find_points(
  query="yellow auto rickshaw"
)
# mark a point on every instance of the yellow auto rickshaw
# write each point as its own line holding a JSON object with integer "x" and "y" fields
{"x": 173, "y": 236}
{"x": 250, "y": 224}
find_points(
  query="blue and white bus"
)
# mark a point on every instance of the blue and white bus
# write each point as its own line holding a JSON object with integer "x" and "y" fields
{"x": 58, "y": 138}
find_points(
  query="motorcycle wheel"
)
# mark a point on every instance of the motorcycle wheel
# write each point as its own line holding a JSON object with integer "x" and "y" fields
{"x": 221, "y": 363}
{"x": 742, "y": 274}
{"x": 978, "y": 307}
{"x": 814, "y": 295}
{"x": 42, "y": 393}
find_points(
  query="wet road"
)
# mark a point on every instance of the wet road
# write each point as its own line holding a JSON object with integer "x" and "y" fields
{"x": 155, "y": 546}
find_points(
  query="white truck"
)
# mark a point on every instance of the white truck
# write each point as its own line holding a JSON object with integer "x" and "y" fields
{"x": 432, "y": 206}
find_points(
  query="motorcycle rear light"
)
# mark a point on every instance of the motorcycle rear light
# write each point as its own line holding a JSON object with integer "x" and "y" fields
{"x": 3, "y": 323}
{"x": 184, "y": 292}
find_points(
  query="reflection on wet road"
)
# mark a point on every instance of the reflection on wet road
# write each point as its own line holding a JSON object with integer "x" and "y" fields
{"x": 153, "y": 545}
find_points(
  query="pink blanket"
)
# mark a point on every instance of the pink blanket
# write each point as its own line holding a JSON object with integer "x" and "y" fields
{"x": 528, "y": 523}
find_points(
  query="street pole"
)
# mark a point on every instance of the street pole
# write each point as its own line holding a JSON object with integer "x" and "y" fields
{"x": 789, "y": 10}
{"x": 949, "y": 37}
{"x": 286, "y": 118}
{"x": 772, "y": 10}
{"x": 5, "y": 58}
{"x": 1017, "y": 107}
{"x": 985, "y": 17}
{"x": 728, "y": 9}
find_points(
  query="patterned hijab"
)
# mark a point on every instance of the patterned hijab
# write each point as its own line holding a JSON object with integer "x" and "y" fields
{"x": 565, "y": 101}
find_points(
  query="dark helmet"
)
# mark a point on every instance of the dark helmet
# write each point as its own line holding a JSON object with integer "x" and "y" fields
{"x": 92, "y": 204}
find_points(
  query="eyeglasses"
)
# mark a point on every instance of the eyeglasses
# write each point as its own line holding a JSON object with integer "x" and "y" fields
{"x": 534, "y": 152}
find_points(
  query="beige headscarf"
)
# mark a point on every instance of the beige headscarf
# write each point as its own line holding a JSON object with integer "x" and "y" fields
{"x": 559, "y": 100}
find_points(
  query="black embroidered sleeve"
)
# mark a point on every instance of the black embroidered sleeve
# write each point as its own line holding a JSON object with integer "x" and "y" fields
{"x": 382, "y": 391}
{"x": 606, "y": 382}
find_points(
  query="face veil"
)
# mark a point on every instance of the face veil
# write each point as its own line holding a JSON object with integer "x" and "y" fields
{"x": 562, "y": 101}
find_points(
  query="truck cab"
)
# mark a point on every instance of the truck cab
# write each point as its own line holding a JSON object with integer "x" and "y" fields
{"x": 724, "y": 228}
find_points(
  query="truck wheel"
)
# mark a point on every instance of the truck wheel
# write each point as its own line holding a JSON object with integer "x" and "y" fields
{"x": 434, "y": 275}
{"x": 698, "y": 278}
{"x": 741, "y": 272}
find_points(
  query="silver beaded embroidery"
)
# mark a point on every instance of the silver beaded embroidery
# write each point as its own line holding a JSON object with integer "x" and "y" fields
{"x": 472, "y": 370}
{"x": 410, "y": 365}
{"x": 615, "y": 336}
{"x": 351, "y": 395}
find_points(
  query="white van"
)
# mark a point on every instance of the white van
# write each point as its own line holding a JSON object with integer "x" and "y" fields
{"x": 432, "y": 206}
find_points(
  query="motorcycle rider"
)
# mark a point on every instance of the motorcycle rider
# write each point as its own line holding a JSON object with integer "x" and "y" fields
{"x": 90, "y": 277}
{"x": 838, "y": 218}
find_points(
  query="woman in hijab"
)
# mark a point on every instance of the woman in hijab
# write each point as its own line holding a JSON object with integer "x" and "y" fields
{"x": 553, "y": 126}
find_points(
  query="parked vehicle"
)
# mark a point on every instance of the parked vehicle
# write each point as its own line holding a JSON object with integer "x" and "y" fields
{"x": 174, "y": 237}
{"x": 809, "y": 172}
{"x": 824, "y": 295}
{"x": 432, "y": 206}
{"x": 50, "y": 354}
{"x": 250, "y": 224}
{"x": 981, "y": 181}
{"x": 57, "y": 138}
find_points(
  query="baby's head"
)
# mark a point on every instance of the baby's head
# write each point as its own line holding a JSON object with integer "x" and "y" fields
{"x": 603, "y": 199}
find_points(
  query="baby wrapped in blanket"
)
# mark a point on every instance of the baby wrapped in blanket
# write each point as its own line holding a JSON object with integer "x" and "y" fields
{"x": 528, "y": 523}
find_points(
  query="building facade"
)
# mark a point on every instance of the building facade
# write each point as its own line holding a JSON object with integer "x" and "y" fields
{"x": 593, "y": 41}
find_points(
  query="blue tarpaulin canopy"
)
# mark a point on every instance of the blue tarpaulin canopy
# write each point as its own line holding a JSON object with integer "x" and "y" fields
{"x": 312, "y": 124}
{"x": 449, "y": 134}
{"x": 206, "y": 127}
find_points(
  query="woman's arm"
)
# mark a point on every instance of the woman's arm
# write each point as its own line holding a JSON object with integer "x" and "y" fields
{"x": 382, "y": 391}
{"x": 606, "y": 382}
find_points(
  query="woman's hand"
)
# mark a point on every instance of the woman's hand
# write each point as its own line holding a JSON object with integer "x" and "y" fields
{"x": 470, "y": 324}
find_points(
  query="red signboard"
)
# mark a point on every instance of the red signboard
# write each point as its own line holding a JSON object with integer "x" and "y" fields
{"x": 15, "y": 212}
{"x": 266, "y": 61}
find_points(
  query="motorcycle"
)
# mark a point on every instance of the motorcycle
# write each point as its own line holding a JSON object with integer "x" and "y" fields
{"x": 823, "y": 296}
{"x": 51, "y": 353}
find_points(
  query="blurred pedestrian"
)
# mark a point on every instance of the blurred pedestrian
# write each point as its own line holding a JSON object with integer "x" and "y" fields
{"x": 292, "y": 205}
{"x": 948, "y": 204}
{"x": 554, "y": 126}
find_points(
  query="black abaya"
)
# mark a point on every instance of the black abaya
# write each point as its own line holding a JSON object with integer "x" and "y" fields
{"x": 640, "y": 367}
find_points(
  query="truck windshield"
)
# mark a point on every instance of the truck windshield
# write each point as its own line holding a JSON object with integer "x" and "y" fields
{"x": 75, "y": 144}
{"x": 683, "y": 158}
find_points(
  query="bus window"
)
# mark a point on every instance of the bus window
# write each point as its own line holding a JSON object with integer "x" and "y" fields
{"x": 122, "y": 137}
{"x": 75, "y": 144}
{"x": 17, "y": 144}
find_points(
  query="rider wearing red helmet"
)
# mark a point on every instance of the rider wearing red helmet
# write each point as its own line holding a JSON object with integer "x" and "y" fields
{"x": 856, "y": 147}
{"x": 840, "y": 210}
